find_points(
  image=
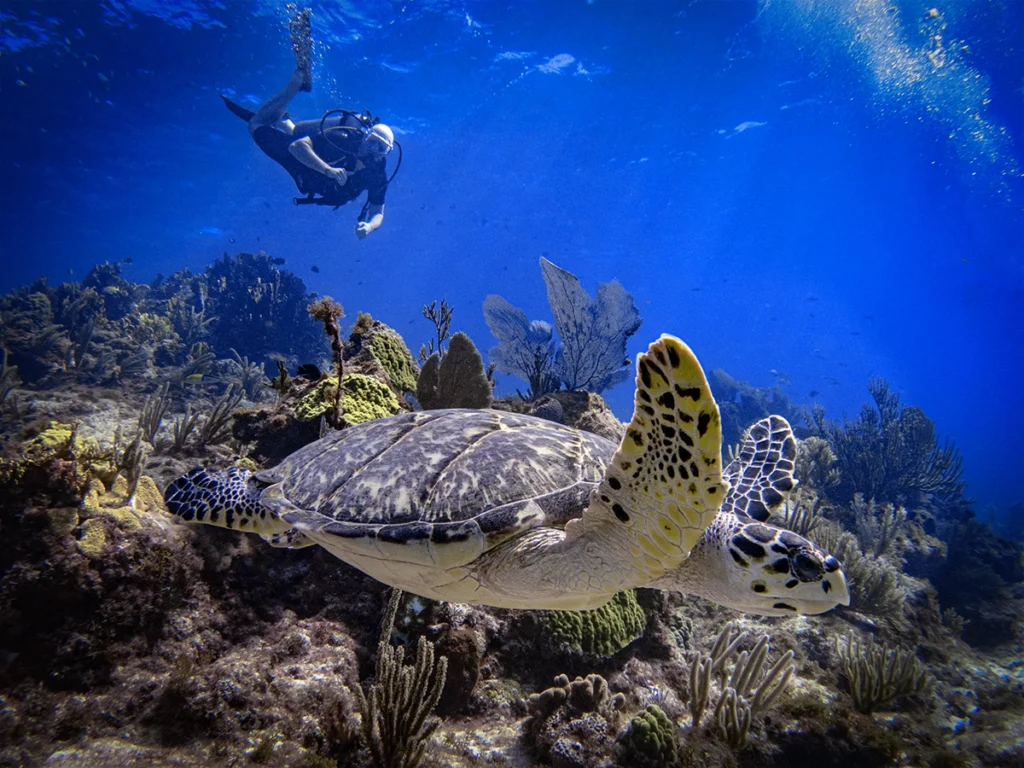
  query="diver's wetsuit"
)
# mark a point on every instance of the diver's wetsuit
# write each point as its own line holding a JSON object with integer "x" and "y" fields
{"x": 368, "y": 174}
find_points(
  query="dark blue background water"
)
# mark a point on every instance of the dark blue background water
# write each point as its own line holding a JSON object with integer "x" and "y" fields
{"x": 791, "y": 187}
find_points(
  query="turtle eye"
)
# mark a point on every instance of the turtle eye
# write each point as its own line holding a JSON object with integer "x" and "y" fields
{"x": 831, "y": 564}
{"x": 806, "y": 567}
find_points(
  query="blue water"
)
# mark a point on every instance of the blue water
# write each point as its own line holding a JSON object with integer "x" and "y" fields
{"x": 826, "y": 191}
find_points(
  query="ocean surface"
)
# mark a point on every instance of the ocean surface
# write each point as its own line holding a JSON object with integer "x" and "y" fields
{"x": 810, "y": 194}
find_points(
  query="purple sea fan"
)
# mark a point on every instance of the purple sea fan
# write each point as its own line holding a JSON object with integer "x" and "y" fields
{"x": 526, "y": 349}
{"x": 593, "y": 332}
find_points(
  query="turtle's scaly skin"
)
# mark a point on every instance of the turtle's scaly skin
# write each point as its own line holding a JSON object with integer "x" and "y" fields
{"x": 514, "y": 511}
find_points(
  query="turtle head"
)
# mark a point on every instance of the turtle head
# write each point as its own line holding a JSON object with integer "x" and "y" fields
{"x": 758, "y": 568}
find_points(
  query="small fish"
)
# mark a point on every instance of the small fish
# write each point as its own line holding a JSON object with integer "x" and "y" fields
{"x": 127, "y": 260}
{"x": 21, "y": 83}
{"x": 813, "y": 393}
{"x": 309, "y": 371}
{"x": 71, "y": 271}
{"x": 194, "y": 378}
{"x": 232, "y": 240}
{"x": 277, "y": 261}
{"x": 315, "y": 268}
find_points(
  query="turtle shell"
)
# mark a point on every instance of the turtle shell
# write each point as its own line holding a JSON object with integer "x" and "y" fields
{"x": 436, "y": 474}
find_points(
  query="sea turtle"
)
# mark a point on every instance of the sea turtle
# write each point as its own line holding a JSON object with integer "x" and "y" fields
{"x": 514, "y": 511}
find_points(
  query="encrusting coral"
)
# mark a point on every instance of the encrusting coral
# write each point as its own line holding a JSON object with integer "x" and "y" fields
{"x": 650, "y": 741}
{"x": 363, "y": 398}
{"x": 603, "y": 631}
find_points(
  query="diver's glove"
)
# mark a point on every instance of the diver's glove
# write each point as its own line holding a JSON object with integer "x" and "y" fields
{"x": 338, "y": 175}
{"x": 362, "y": 230}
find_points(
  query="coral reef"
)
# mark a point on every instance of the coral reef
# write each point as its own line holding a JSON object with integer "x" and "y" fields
{"x": 582, "y": 410}
{"x": 441, "y": 317}
{"x": 246, "y": 292}
{"x": 745, "y": 691}
{"x": 526, "y": 348}
{"x": 877, "y": 675}
{"x": 396, "y": 360}
{"x": 650, "y": 741}
{"x": 127, "y": 639}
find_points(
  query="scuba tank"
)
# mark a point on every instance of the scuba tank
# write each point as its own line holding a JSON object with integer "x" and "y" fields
{"x": 339, "y": 135}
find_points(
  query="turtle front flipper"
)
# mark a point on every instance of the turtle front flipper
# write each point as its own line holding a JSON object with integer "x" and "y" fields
{"x": 761, "y": 476}
{"x": 664, "y": 485}
{"x": 225, "y": 498}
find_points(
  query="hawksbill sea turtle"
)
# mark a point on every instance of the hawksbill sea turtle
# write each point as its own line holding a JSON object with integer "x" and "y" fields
{"x": 514, "y": 511}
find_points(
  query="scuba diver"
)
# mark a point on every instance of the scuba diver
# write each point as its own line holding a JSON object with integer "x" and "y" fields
{"x": 332, "y": 160}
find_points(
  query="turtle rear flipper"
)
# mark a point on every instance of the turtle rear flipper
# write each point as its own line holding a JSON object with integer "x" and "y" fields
{"x": 225, "y": 498}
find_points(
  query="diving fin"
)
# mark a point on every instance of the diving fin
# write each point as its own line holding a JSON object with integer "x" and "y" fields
{"x": 238, "y": 109}
{"x": 242, "y": 112}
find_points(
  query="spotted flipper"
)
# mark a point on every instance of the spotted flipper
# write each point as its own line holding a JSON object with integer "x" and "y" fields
{"x": 225, "y": 498}
{"x": 664, "y": 483}
{"x": 761, "y": 476}
{"x": 293, "y": 538}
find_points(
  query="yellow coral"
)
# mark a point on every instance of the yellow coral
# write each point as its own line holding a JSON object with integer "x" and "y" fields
{"x": 51, "y": 440}
{"x": 63, "y": 520}
{"x": 93, "y": 539}
{"x": 115, "y": 502}
{"x": 395, "y": 358}
{"x": 363, "y": 399}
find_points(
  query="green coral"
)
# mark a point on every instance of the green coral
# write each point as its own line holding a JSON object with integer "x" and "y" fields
{"x": 604, "y": 631}
{"x": 650, "y": 741}
{"x": 396, "y": 359}
{"x": 363, "y": 399}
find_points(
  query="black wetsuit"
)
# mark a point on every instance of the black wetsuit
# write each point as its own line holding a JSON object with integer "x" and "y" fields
{"x": 369, "y": 174}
